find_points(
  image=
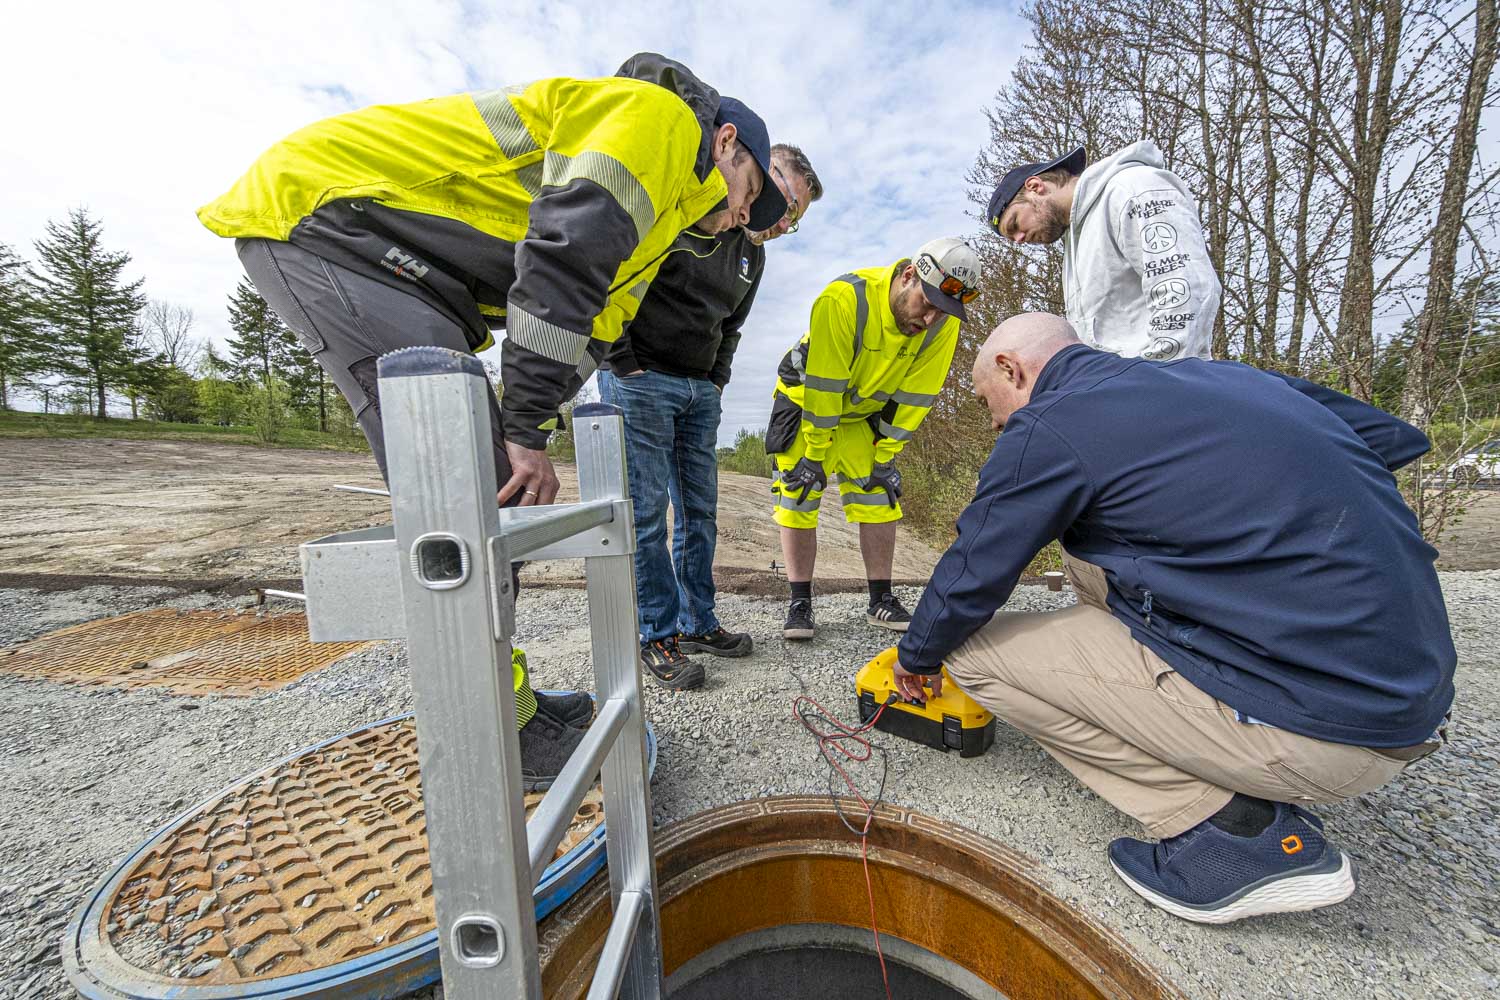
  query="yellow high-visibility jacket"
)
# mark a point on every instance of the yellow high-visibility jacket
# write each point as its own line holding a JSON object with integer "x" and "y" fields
{"x": 544, "y": 208}
{"x": 854, "y": 364}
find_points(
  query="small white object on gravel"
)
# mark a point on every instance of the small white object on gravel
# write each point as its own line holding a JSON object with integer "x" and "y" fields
{"x": 87, "y": 773}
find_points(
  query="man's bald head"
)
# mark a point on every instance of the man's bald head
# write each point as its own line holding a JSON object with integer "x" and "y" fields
{"x": 1034, "y": 336}
{"x": 1013, "y": 356}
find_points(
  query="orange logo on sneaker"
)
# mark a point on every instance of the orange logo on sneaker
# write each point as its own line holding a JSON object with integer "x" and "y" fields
{"x": 1292, "y": 844}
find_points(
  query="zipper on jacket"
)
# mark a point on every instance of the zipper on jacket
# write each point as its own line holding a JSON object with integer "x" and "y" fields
{"x": 1146, "y": 607}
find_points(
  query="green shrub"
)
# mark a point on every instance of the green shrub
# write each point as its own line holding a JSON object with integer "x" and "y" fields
{"x": 343, "y": 429}
{"x": 220, "y": 401}
{"x": 174, "y": 398}
{"x": 1449, "y": 440}
{"x": 270, "y": 417}
{"x": 747, "y": 455}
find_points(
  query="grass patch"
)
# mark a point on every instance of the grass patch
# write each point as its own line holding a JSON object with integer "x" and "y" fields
{"x": 16, "y": 424}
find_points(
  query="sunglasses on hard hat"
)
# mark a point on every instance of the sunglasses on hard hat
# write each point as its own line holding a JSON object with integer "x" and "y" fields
{"x": 953, "y": 286}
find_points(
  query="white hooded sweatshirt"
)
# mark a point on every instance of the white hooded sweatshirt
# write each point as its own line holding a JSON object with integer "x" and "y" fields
{"x": 1136, "y": 273}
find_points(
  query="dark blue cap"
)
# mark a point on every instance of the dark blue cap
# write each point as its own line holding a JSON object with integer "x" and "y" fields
{"x": 1014, "y": 180}
{"x": 751, "y": 130}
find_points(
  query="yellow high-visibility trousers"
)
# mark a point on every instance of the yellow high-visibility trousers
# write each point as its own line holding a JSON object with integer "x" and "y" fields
{"x": 851, "y": 456}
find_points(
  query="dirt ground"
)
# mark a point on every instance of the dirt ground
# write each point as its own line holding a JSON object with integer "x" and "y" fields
{"x": 210, "y": 516}
{"x": 1474, "y": 542}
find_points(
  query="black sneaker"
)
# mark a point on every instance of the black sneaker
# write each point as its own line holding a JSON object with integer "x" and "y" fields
{"x": 574, "y": 708}
{"x": 799, "y": 620}
{"x": 719, "y": 642}
{"x": 546, "y": 744}
{"x": 1212, "y": 877}
{"x": 671, "y": 669}
{"x": 888, "y": 613}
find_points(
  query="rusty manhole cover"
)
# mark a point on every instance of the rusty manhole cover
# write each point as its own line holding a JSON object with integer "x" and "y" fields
{"x": 185, "y": 652}
{"x": 309, "y": 875}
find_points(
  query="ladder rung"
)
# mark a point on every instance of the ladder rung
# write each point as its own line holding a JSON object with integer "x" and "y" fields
{"x": 610, "y": 971}
{"x": 547, "y": 825}
{"x": 527, "y": 529}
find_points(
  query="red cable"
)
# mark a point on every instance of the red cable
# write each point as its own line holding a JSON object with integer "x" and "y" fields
{"x": 827, "y": 741}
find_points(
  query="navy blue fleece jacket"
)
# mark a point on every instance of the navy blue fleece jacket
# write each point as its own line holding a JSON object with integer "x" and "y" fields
{"x": 1250, "y": 528}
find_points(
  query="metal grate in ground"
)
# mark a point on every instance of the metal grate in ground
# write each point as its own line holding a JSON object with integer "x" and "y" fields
{"x": 319, "y": 860}
{"x": 186, "y": 652}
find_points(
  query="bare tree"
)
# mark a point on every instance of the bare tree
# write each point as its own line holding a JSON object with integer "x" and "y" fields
{"x": 1417, "y": 400}
{"x": 1331, "y": 146}
{"x": 168, "y": 330}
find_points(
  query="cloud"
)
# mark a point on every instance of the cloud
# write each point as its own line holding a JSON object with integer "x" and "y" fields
{"x": 144, "y": 112}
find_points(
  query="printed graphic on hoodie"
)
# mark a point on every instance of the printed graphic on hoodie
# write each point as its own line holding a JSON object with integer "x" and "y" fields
{"x": 1137, "y": 276}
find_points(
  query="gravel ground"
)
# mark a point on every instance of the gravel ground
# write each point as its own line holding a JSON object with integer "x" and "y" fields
{"x": 85, "y": 775}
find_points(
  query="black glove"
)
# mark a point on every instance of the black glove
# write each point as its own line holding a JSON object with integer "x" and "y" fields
{"x": 807, "y": 475}
{"x": 888, "y": 477}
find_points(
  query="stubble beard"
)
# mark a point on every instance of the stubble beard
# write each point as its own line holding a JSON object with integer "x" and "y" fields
{"x": 1054, "y": 222}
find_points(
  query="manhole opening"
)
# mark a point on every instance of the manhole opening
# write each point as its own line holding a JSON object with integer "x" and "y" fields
{"x": 758, "y": 896}
{"x": 819, "y": 961}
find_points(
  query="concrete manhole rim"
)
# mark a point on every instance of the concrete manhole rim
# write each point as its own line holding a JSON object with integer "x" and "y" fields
{"x": 88, "y": 958}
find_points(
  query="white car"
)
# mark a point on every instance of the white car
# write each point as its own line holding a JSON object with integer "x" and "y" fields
{"x": 1481, "y": 465}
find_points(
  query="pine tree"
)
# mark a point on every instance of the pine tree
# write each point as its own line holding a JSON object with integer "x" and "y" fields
{"x": 261, "y": 347}
{"x": 20, "y": 348}
{"x": 143, "y": 369}
{"x": 87, "y": 306}
{"x": 306, "y": 383}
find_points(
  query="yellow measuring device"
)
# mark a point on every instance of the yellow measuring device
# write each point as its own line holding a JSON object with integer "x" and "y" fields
{"x": 951, "y": 721}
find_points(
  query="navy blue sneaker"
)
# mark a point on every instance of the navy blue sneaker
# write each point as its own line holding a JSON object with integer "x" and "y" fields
{"x": 1212, "y": 877}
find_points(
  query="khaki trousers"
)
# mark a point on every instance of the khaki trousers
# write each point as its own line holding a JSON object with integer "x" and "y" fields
{"x": 1135, "y": 731}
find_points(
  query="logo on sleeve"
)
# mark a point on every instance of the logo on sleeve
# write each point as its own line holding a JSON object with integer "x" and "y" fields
{"x": 1158, "y": 237}
{"x": 745, "y": 269}
{"x": 1162, "y": 349}
{"x": 1169, "y": 294}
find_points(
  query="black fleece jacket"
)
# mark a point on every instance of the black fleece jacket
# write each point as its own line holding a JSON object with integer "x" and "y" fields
{"x": 689, "y": 322}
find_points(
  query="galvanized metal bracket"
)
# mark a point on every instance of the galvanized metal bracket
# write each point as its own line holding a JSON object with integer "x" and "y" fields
{"x": 352, "y": 579}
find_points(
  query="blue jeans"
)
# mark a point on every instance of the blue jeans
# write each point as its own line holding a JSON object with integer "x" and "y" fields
{"x": 671, "y": 431}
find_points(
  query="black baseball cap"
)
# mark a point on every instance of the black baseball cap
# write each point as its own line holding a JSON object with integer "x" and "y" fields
{"x": 1012, "y": 182}
{"x": 751, "y": 130}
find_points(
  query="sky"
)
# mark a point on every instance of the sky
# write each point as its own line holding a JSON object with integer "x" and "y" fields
{"x": 143, "y": 112}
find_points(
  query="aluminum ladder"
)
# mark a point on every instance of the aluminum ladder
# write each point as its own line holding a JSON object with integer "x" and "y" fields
{"x": 440, "y": 577}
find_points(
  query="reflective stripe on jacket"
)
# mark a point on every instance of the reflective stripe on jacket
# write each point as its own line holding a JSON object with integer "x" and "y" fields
{"x": 854, "y": 364}
{"x": 543, "y": 208}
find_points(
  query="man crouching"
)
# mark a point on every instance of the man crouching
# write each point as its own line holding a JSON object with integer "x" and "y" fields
{"x": 1259, "y": 626}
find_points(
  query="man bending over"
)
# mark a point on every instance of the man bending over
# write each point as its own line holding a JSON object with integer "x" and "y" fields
{"x": 1258, "y": 628}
